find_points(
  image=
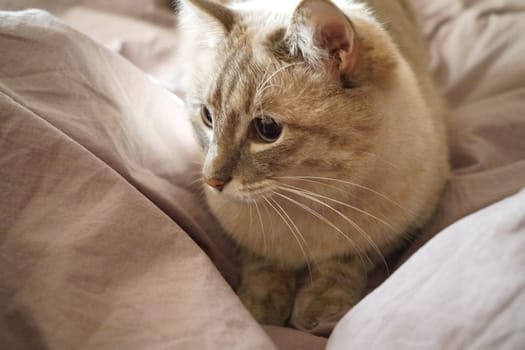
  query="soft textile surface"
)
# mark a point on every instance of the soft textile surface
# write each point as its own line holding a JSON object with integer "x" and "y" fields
{"x": 98, "y": 194}
{"x": 437, "y": 300}
{"x": 86, "y": 260}
{"x": 477, "y": 52}
{"x": 97, "y": 169}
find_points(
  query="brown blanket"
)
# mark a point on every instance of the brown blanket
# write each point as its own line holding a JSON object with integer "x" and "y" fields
{"x": 99, "y": 198}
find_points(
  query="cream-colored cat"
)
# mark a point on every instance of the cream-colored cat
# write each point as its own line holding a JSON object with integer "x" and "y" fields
{"x": 324, "y": 142}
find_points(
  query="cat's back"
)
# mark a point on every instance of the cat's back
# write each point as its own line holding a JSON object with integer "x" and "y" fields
{"x": 398, "y": 19}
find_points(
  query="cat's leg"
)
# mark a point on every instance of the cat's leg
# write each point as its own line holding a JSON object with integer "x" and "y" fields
{"x": 266, "y": 290}
{"x": 336, "y": 285}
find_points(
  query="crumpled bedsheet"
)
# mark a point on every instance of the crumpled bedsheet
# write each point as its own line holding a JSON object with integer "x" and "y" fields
{"x": 465, "y": 289}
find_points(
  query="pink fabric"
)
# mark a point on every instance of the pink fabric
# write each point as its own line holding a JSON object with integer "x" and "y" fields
{"x": 96, "y": 197}
{"x": 464, "y": 290}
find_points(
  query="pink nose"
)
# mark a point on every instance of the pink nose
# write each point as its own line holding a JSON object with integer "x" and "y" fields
{"x": 216, "y": 183}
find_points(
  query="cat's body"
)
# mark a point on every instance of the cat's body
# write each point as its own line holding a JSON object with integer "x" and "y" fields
{"x": 348, "y": 158}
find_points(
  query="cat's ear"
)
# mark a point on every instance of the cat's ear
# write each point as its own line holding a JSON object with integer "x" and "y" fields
{"x": 320, "y": 32}
{"x": 223, "y": 15}
{"x": 213, "y": 20}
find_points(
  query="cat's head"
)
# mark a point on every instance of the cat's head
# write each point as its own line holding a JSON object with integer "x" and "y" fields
{"x": 278, "y": 94}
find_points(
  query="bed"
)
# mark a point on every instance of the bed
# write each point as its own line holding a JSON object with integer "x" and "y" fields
{"x": 105, "y": 242}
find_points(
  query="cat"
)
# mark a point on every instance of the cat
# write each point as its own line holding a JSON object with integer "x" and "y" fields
{"x": 324, "y": 143}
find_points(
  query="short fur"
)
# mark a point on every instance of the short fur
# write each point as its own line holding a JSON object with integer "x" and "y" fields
{"x": 362, "y": 158}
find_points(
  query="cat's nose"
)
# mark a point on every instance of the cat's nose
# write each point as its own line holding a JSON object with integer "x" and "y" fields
{"x": 218, "y": 184}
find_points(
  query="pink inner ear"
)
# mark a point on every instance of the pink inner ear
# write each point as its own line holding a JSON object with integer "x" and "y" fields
{"x": 334, "y": 36}
{"x": 332, "y": 33}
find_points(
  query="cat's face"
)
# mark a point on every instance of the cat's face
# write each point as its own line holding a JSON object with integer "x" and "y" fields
{"x": 264, "y": 112}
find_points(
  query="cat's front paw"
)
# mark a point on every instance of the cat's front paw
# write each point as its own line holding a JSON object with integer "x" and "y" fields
{"x": 271, "y": 307}
{"x": 313, "y": 306}
{"x": 336, "y": 286}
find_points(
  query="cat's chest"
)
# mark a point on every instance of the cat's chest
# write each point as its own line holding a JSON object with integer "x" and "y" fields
{"x": 288, "y": 233}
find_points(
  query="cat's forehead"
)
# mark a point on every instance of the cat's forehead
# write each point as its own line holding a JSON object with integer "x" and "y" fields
{"x": 243, "y": 66}
{"x": 251, "y": 77}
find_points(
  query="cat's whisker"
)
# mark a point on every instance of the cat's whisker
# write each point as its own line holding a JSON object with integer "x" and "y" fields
{"x": 250, "y": 213}
{"x": 326, "y": 221}
{"x": 289, "y": 219}
{"x": 272, "y": 224}
{"x": 195, "y": 173}
{"x": 195, "y": 177}
{"x": 197, "y": 181}
{"x": 366, "y": 188}
{"x": 262, "y": 86}
{"x": 307, "y": 259}
{"x": 292, "y": 231}
{"x": 336, "y": 188}
{"x": 262, "y": 225}
{"x": 298, "y": 232}
{"x": 344, "y": 217}
{"x": 261, "y": 110}
{"x": 260, "y": 92}
{"x": 354, "y": 224}
{"x": 263, "y": 78}
{"x": 377, "y": 156}
{"x": 359, "y": 210}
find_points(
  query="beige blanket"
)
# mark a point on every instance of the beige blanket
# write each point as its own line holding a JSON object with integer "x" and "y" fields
{"x": 105, "y": 241}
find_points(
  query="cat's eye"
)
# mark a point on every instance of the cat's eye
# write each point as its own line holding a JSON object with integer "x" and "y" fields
{"x": 268, "y": 129}
{"x": 206, "y": 116}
